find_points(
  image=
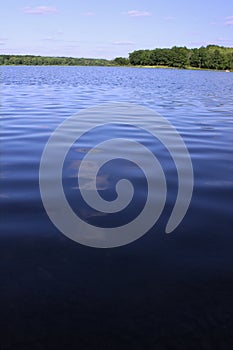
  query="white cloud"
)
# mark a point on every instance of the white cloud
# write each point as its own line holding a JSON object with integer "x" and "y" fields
{"x": 136, "y": 13}
{"x": 199, "y": 43}
{"x": 229, "y": 21}
{"x": 88, "y": 14}
{"x": 3, "y": 41}
{"x": 169, "y": 18}
{"x": 40, "y": 10}
{"x": 123, "y": 43}
{"x": 54, "y": 39}
{"x": 225, "y": 41}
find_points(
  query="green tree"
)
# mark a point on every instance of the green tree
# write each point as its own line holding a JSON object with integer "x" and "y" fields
{"x": 121, "y": 61}
{"x": 179, "y": 57}
{"x": 195, "y": 58}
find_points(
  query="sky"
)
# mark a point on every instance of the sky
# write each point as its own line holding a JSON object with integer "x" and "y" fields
{"x": 108, "y": 29}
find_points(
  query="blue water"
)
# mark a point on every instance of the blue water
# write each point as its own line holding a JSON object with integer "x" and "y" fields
{"x": 161, "y": 291}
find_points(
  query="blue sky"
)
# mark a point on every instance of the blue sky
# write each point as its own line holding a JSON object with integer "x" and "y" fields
{"x": 108, "y": 29}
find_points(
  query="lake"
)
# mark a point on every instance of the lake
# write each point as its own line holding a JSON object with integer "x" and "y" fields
{"x": 163, "y": 291}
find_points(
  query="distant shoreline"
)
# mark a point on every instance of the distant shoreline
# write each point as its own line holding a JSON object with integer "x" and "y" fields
{"x": 186, "y": 68}
{"x": 211, "y": 58}
{"x": 118, "y": 66}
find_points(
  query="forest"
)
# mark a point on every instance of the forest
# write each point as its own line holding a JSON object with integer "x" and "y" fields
{"x": 30, "y": 60}
{"x": 210, "y": 57}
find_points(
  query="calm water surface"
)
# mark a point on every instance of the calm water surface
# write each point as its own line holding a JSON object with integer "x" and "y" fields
{"x": 162, "y": 291}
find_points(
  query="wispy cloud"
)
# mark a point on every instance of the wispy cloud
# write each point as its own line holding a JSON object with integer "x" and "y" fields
{"x": 196, "y": 33}
{"x": 88, "y": 14}
{"x": 40, "y": 10}
{"x": 228, "y": 21}
{"x": 199, "y": 43}
{"x": 53, "y": 39}
{"x": 123, "y": 43}
{"x": 224, "y": 41}
{"x": 168, "y": 18}
{"x": 136, "y": 13}
{"x": 216, "y": 41}
{"x": 3, "y": 41}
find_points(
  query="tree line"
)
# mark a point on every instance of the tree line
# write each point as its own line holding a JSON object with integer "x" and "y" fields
{"x": 30, "y": 60}
{"x": 210, "y": 57}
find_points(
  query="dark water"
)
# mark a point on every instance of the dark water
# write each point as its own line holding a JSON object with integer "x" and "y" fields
{"x": 160, "y": 292}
